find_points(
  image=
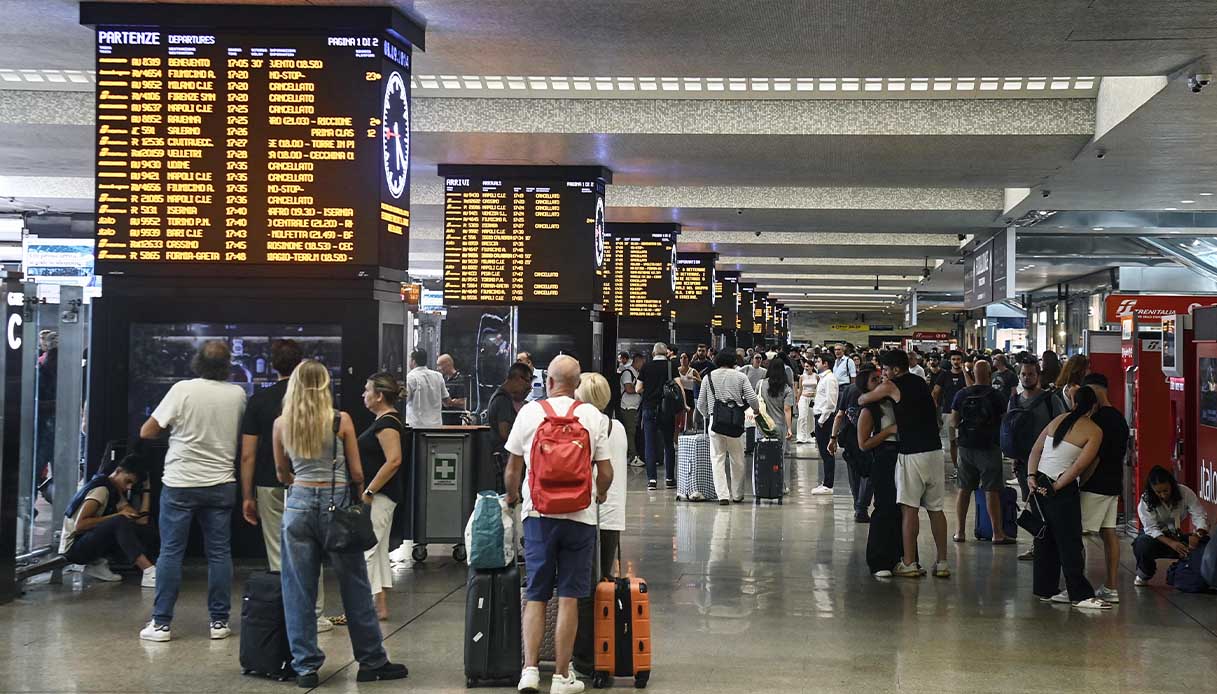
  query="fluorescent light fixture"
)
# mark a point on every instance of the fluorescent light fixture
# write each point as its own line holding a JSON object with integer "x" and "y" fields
{"x": 1188, "y": 202}
{"x": 1059, "y": 83}
{"x": 1205, "y": 195}
{"x": 1096, "y": 228}
{"x": 429, "y": 84}
{"x": 1170, "y": 209}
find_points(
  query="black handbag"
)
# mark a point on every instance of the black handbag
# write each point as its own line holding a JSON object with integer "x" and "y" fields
{"x": 1033, "y": 521}
{"x": 350, "y": 527}
{"x": 728, "y": 419}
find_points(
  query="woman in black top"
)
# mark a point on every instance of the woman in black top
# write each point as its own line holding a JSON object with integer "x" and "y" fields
{"x": 380, "y": 449}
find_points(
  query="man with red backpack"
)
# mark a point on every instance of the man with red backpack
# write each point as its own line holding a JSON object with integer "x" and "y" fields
{"x": 554, "y": 446}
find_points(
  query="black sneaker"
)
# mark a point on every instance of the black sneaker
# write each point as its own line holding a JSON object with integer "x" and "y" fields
{"x": 308, "y": 680}
{"x": 388, "y": 671}
{"x": 724, "y": 502}
{"x": 652, "y": 486}
{"x": 861, "y": 517}
{"x": 670, "y": 484}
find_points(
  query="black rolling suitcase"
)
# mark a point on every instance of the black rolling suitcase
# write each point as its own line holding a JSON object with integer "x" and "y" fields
{"x": 767, "y": 477}
{"x": 493, "y": 641}
{"x": 265, "y": 650}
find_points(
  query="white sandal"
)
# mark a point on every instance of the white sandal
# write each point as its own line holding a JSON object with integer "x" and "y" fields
{"x": 1092, "y": 604}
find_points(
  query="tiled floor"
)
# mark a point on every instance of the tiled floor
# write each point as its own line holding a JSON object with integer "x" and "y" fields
{"x": 744, "y": 598}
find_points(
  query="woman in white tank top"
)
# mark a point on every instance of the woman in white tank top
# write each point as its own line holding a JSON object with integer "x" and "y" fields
{"x": 1064, "y": 455}
{"x": 807, "y": 392}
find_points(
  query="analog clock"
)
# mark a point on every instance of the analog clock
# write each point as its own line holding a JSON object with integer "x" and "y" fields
{"x": 396, "y": 141}
{"x": 599, "y": 231}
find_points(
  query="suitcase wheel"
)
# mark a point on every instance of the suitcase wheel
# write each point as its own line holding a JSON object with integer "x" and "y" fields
{"x": 469, "y": 683}
{"x": 641, "y": 679}
{"x": 600, "y": 679}
{"x": 419, "y": 553}
{"x": 459, "y": 554}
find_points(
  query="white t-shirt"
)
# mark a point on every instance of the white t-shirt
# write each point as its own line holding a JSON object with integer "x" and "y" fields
{"x": 519, "y": 442}
{"x": 425, "y": 395}
{"x": 100, "y": 494}
{"x": 204, "y": 422}
{"x": 629, "y": 401}
{"x": 612, "y": 511}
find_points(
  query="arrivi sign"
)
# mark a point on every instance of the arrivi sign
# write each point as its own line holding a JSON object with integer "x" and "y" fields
{"x": 1151, "y": 307}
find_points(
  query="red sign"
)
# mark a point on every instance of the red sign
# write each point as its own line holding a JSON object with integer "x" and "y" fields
{"x": 932, "y": 336}
{"x": 1151, "y": 307}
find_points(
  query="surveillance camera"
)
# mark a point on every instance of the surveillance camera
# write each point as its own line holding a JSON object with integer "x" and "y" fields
{"x": 925, "y": 274}
{"x": 740, "y": 211}
{"x": 961, "y": 237}
{"x": 781, "y": 260}
{"x": 1046, "y": 193}
{"x": 1199, "y": 81}
{"x": 758, "y": 234}
{"x": 1100, "y": 154}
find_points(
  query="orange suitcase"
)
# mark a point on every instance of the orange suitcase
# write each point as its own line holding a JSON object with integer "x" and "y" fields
{"x": 622, "y": 628}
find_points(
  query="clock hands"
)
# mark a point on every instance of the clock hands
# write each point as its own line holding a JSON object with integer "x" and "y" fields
{"x": 401, "y": 158}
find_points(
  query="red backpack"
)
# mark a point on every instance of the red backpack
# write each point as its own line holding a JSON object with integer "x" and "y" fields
{"x": 560, "y": 467}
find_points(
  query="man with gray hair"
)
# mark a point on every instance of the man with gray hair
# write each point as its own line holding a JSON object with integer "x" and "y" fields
{"x": 659, "y": 435}
{"x": 203, "y": 418}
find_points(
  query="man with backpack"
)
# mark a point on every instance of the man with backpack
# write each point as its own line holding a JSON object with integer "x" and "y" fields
{"x": 976, "y": 415}
{"x": 1029, "y": 412}
{"x": 663, "y": 400}
{"x": 559, "y": 441}
{"x": 844, "y": 437}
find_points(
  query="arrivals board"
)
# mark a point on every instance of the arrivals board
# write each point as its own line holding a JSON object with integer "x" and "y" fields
{"x": 238, "y": 151}
{"x": 726, "y": 300}
{"x": 747, "y": 306}
{"x": 759, "y": 301}
{"x": 522, "y": 241}
{"x": 638, "y": 275}
{"x": 695, "y": 284}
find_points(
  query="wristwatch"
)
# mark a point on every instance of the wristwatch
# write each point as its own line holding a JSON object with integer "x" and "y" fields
{"x": 369, "y": 492}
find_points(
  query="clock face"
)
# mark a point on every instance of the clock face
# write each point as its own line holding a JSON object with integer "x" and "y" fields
{"x": 396, "y": 140}
{"x": 599, "y": 231}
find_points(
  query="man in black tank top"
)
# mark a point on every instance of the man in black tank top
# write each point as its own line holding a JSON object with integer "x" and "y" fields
{"x": 920, "y": 469}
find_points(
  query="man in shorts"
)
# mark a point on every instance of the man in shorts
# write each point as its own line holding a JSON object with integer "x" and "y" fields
{"x": 1101, "y": 491}
{"x": 920, "y": 474}
{"x": 976, "y": 414}
{"x": 557, "y": 548}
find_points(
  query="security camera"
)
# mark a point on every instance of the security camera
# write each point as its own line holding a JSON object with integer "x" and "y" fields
{"x": 1046, "y": 193}
{"x": 960, "y": 237}
{"x": 758, "y": 234}
{"x": 781, "y": 260}
{"x": 1199, "y": 81}
{"x": 925, "y": 273}
{"x": 1100, "y": 154}
{"x": 740, "y": 211}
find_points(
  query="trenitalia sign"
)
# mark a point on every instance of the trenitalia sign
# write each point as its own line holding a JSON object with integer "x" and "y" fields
{"x": 1150, "y": 308}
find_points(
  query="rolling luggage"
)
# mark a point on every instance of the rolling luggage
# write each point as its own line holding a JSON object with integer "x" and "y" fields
{"x": 264, "y": 648}
{"x": 694, "y": 474}
{"x": 622, "y": 631}
{"x": 767, "y": 478}
{"x": 749, "y": 440}
{"x": 1009, "y": 517}
{"x": 493, "y": 641}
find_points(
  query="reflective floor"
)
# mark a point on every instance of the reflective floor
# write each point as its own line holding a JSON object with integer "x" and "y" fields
{"x": 744, "y": 598}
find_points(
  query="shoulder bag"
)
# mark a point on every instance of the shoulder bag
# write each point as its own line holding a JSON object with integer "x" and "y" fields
{"x": 350, "y": 528}
{"x": 727, "y": 417}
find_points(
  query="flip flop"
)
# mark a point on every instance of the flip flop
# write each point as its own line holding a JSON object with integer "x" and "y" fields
{"x": 339, "y": 621}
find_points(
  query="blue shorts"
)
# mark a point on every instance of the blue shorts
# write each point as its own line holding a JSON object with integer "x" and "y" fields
{"x": 558, "y": 551}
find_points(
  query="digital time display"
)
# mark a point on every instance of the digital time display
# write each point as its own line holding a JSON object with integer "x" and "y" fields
{"x": 638, "y": 273}
{"x": 522, "y": 241}
{"x": 235, "y": 151}
{"x": 695, "y": 288}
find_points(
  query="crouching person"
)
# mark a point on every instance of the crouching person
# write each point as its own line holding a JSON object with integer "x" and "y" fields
{"x": 101, "y": 520}
{"x": 1163, "y": 506}
{"x": 559, "y": 440}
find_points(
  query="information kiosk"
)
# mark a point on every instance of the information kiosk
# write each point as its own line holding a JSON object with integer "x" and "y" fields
{"x": 1147, "y": 399}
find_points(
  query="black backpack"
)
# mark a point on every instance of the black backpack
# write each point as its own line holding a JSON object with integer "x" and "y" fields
{"x": 1018, "y": 428}
{"x": 977, "y": 420}
{"x": 671, "y": 399}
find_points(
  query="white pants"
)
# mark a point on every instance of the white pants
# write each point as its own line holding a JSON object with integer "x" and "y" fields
{"x": 722, "y": 447}
{"x": 806, "y": 430}
{"x": 380, "y": 572}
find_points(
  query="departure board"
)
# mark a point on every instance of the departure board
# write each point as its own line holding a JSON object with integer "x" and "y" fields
{"x": 770, "y": 318}
{"x": 759, "y": 301}
{"x": 747, "y": 302}
{"x": 695, "y": 288}
{"x": 522, "y": 241}
{"x": 236, "y": 151}
{"x": 726, "y": 300}
{"x": 638, "y": 274}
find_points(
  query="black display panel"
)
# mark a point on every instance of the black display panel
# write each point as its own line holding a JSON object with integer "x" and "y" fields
{"x": 246, "y": 153}
{"x": 759, "y": 301}
{"x": 726, "y": 301}
{"x": 770, "y": 317}
{"x": 161, "y": 355}
{"x": 695, "y": 284}
{"x": 522, "y": 241}
{"x": 747, "y": 305}
{"x": 638, "y": 276}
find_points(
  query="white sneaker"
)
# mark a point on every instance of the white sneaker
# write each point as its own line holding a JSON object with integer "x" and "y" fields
{"x": 883, "y": 573}
{"x": 220, "y": 630}
{"x": 154, "y": 632}
{"x": 637, "y": 462}
{"x": 100, "y": 570}
{"x": 149, "y": 579}
{"x": 907, "y": 571}
{"x": 401, "y": 555}
{"x": 1108, "y": 594}
{"x": 1140, "y": 582}
{"x": 324, "y": 624}
{"x": 1061, "y": 597}
{"x": 941, "y": 570}
{"x": 566, "y": 685}
{"x": 530, "y": 680}
{"x": 822, "y": 490}
{"x": 1092, "y": 604}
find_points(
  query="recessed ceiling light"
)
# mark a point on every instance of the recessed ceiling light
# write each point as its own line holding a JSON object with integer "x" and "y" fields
{"x": 1188, "y": 202}
{"x": 1205, "y": 194}
{"x": 1097, "y": 228}
{"x": 1170, "y": 209}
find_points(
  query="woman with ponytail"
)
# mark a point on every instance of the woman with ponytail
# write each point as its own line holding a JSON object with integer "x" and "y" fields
{"x": 317, "y": 459}
{"x": 1067, "y": 450}
{"x": 381, "y": 451}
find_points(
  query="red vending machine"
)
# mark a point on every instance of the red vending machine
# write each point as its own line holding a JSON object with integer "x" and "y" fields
{"x": 1203, "y": 375}
{"x": 1179, "y": 360}
{"x": 1147, "y": 407}
{"x": 1102, "y": 347}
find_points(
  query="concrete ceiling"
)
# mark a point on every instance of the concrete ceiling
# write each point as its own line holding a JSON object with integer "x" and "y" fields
{"x": 812, "y": 187}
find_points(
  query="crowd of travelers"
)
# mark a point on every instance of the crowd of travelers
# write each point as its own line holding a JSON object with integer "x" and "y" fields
{"x": 881, "y": 411}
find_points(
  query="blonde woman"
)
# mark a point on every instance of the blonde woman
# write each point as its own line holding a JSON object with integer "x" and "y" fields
{"x": 595, "y": 390}
{"x": 317, "y": 458}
